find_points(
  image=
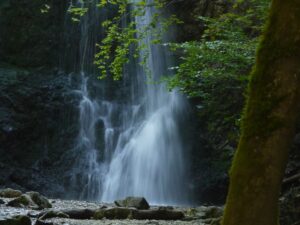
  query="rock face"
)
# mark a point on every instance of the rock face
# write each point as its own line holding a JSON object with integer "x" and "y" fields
{"x": 39, "y": 43}
{"x": 134, "y": 202}
{"x": 38, "y": 123}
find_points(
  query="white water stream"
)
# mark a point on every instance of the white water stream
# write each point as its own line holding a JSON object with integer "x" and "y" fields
{"x": 143, "y": 153}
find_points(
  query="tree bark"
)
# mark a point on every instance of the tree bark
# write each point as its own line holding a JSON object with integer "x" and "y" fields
{"x": 268, "y": 122}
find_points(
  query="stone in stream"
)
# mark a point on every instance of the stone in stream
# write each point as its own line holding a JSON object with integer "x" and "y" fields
{"x": 2, "y": 202}
{"x": 40, "y": 200}
{"x": 32, "y": 200}
{"x": 158, "y": 214}
{"x": 214, "y": 212}
{"x": 79, "y": 214}
{"x": 121, "y": 213}
{"x": 117, "y": 213}
{"x": 39, "y": 222}
{"x": 24, "y": 201}
{"x": 10, "y": 193}
{"x": 52, "y": 214}
{"x": 133, "y": 202}
{"x": 16, "y": 220}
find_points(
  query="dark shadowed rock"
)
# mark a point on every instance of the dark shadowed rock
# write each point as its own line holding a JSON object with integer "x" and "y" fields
{"x": 17, "y": 220}
{"x": 118, "y": 213}
{"x": 214, "y": 212}
{"x": 39, "y": 222}
{"x": 10, "y": 193}
{"x": 2, "y": 202}
{"x": 80, "y": 214}
{"x": 160, "y": 214}
{"x": 121, "y": 213}
{"x": 52, "y": 214}
{"x": 40, "y": 200}
{"x": 134, "y": 202}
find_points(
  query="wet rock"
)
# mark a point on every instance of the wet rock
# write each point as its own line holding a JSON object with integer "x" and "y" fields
{"x": 23, "y": 201}
{"x": 134, "y": 202}
{"x": 213, "y": 221}
{"x": 204, "y": 213}
{"x": 33, "y": 214}
{"x": 40, "y": 200}
{"x": 119, "y": 213}
{"x": 52, "y": 214}
{"x": 17, "y": 220}
{"x": 160, "y": 214}
{"x": 39, "y": 222}
{"x": 79, "y": 214}
{"x": 10, "y": 193}
{"x": 165, "y": 208}
{"x": 214, "y": 212}
{"x": 2, "y": 202}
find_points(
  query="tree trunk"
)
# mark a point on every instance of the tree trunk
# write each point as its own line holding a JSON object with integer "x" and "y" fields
{"x": 269, "y": 121}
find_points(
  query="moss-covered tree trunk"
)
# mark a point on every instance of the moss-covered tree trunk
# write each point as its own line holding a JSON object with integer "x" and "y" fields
{"x": 269, "y": 121}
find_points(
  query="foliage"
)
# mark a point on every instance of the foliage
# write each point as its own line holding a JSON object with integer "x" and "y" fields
{"x": 123, "y": 35}
{"x": 214, "y": 70}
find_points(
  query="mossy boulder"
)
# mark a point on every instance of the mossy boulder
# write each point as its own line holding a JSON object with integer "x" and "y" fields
{"x": 214, "y": 212}
{"x": 133, "y": 202}
{"x": 17, "y": 220}
{"x": 39, "y": 199}
{"x": 10, "y": 193}
{"x": 53, "y": 214}
{"x": 24, "y": 201}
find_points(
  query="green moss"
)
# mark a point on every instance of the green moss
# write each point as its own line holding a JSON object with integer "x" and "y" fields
{"x": 268, "y": 121}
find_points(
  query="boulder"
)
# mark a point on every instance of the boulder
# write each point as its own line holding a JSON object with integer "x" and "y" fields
{"x": 52, "y": 214}
{"x": 39, "y": 222}
{"x": 2, "y": 202}
{"x": 121, "y": 213}
{"x": 31, "y": 200}
{"x": 39, "y": 200}
{"x": 213, "y": 221}
{"x": 10, "y": 193}
{"x": 214, "y": 212}
{"x": 133, "y": 202}
{"x": 157, "y": 214}
{"x": 23, "y": 201}
{"x": 79, "y": 214}
{"x": 17, "y": 220}
{"x": 118, "y": 213}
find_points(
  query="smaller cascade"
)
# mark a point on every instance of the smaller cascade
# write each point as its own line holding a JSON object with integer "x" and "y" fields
{"x": 87, "y": 172}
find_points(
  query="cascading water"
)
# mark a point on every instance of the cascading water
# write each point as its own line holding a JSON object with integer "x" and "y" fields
{"x": 142, "y": 153}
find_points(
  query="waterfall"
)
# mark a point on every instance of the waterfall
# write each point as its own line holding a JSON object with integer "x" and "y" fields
{"x": 142, "y": 152}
